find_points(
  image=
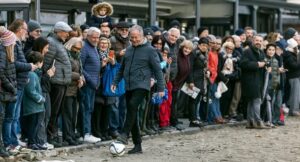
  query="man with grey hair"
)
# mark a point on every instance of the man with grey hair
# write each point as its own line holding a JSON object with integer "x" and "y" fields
{"x": 139, "y": 64}
{"x": 91, "y": 66}
{"x": 57, "y": 56}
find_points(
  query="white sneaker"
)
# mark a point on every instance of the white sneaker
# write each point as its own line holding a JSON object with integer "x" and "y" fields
{"x": 91, "y": 139}
{"x": 48, "y": 145}
{"x": 23, "y": 144}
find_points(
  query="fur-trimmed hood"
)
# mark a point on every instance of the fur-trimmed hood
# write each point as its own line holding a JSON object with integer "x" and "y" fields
{"x": 97, "y": 6}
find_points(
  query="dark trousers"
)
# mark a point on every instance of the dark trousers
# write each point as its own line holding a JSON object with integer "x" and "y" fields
{"x": 174, "y": 118}
{"x": 57, "y": 96}
{"x": 42, "y": 134}
{"x": 69, "y": 117}
{"x": 100, "y": 119}
{"x": 133, "y": 101}
{"x": 2, "y": 110}
{"x": 194, "y": 110}
{"x": 33, "y": 125}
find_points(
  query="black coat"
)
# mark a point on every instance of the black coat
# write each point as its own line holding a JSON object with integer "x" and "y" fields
{"x": 198, "y": 64}
{"x": 252, "y": 76}
{"x": 291, "y": 63}
{"x": 8, "y": 82}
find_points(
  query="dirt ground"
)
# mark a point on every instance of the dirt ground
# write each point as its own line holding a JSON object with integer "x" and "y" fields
{"x": 232, "y": 144}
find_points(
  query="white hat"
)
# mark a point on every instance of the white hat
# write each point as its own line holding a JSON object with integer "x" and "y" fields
{"x": 292, "y": 43}
{"x": 62, "y": 26}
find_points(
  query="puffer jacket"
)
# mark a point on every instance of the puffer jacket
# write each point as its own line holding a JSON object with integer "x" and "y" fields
{"x": 138, "y": 65}
{"x": 22, "y": 67}
{"x": 91, "y": 65}
{"x": 58, "y": 53}
{"x": 8, "y": 82}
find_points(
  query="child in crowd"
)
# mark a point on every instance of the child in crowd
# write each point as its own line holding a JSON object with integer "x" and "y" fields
{"x": 101, "y": 15}
{"x": 272, "y": 102}
{"x": 33, "y": 103}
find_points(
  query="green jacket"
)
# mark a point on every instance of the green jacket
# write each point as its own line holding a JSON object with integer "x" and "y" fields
{"x": 33, "y": 100}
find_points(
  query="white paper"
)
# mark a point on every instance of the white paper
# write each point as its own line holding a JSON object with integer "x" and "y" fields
{"x": 190, "y": 92}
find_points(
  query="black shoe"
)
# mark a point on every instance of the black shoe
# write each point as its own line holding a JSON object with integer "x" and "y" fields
{"x": 136, "y": 150}
{"x": 78, "y": 142}
{"x": 280, "y": 123}
{"x": 3, "y": 152}
{"x": 55, "y": 143}
{"x": 42, "y": 147}
{"x": 196, "y": 123}
{"x": 71, "y": 142}
{"x": 115, "y": 134}
{"x": 122, "y": 138}
{"x": 34, "y": 147}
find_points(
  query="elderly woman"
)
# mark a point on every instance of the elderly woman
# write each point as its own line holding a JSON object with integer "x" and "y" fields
{"x": 184, "y": 69}
{"x": 69, "y": 111}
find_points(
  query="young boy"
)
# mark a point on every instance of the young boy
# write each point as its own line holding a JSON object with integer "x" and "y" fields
{"x": 33, "y": 103}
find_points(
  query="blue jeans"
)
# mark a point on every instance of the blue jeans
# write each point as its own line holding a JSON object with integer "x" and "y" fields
{"x": 10, "y": 123}
{"x": 114, "y": 117}
{"x": 87, "y": 105}
{"x": 214, "y": 107}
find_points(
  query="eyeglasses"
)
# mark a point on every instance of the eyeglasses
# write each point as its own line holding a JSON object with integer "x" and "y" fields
{"x": 229, "y": 48}
{"x": 76, "y": 48}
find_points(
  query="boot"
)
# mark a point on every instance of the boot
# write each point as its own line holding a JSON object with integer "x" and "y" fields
{"x": 123, "y": 138}
{"x": 136, "y": 150}
{"x": 260, "y": 125}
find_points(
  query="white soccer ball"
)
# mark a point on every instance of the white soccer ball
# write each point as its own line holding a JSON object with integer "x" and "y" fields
{"x": 117, "y": 148}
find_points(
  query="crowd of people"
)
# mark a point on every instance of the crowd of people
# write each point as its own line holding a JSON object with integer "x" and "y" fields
{"x": 103, "y": 81}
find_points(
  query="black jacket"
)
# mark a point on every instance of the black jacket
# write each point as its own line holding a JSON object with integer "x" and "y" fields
{"x": 198, "y": 65}
{"x": 8, "y": 82}
{"x": 252, "y": 76}
{"x": 138, "y": 65}
{"x": 22, "y": 67}
{"x": 293, "y": 66}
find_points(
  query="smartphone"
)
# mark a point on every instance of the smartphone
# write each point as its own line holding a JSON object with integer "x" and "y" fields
{"x": 53, "y": 63}
{"x": 111, "y": 54}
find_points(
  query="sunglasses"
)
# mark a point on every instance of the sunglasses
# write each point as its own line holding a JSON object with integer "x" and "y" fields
{"x": 76, "y": 48}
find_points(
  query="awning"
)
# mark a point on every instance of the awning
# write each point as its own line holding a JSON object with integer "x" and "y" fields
{"x": 15, "y": 1}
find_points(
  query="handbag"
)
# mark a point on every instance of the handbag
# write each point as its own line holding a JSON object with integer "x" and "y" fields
{"x": 107, "y": 80}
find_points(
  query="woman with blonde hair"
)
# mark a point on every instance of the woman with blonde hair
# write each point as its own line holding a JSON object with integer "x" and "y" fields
{"x": 70, "y": 105}
{"x": 8, "y": 83}
{"x": 184, "y": 69}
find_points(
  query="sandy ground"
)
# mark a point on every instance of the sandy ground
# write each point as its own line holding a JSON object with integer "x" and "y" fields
{"x": 232, "y": 144}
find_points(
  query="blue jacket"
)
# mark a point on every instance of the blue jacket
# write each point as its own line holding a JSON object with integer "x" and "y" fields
{"x": 22, "y": 67}
{"x": 33, "y": 100}
{"x": 91, "y": 65}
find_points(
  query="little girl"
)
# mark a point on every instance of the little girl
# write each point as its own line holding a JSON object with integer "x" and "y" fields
{"x": 101, "y": 15}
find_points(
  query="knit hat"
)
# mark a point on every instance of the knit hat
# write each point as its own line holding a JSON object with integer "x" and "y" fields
{"x": 155, "y": 28}
{"x": 175, "y": 24}
{"x": 211, "y": 38}
{"x": 201, "y": 29}
{"x": 7, "y": 37}
{"x": 289, "y": 33}
{"x": 239, "y": 32}
{"x": 292, "y": 43}
{"x": 33, "y": 25}
{"x": 281, "y": 44}
{"x": 148, "y": 31}
{"x": 203, "y": 41}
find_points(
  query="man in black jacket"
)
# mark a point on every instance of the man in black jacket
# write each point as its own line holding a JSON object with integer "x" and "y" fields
{"x": 253, "y": 68}
{"x": 139, "y": 63}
